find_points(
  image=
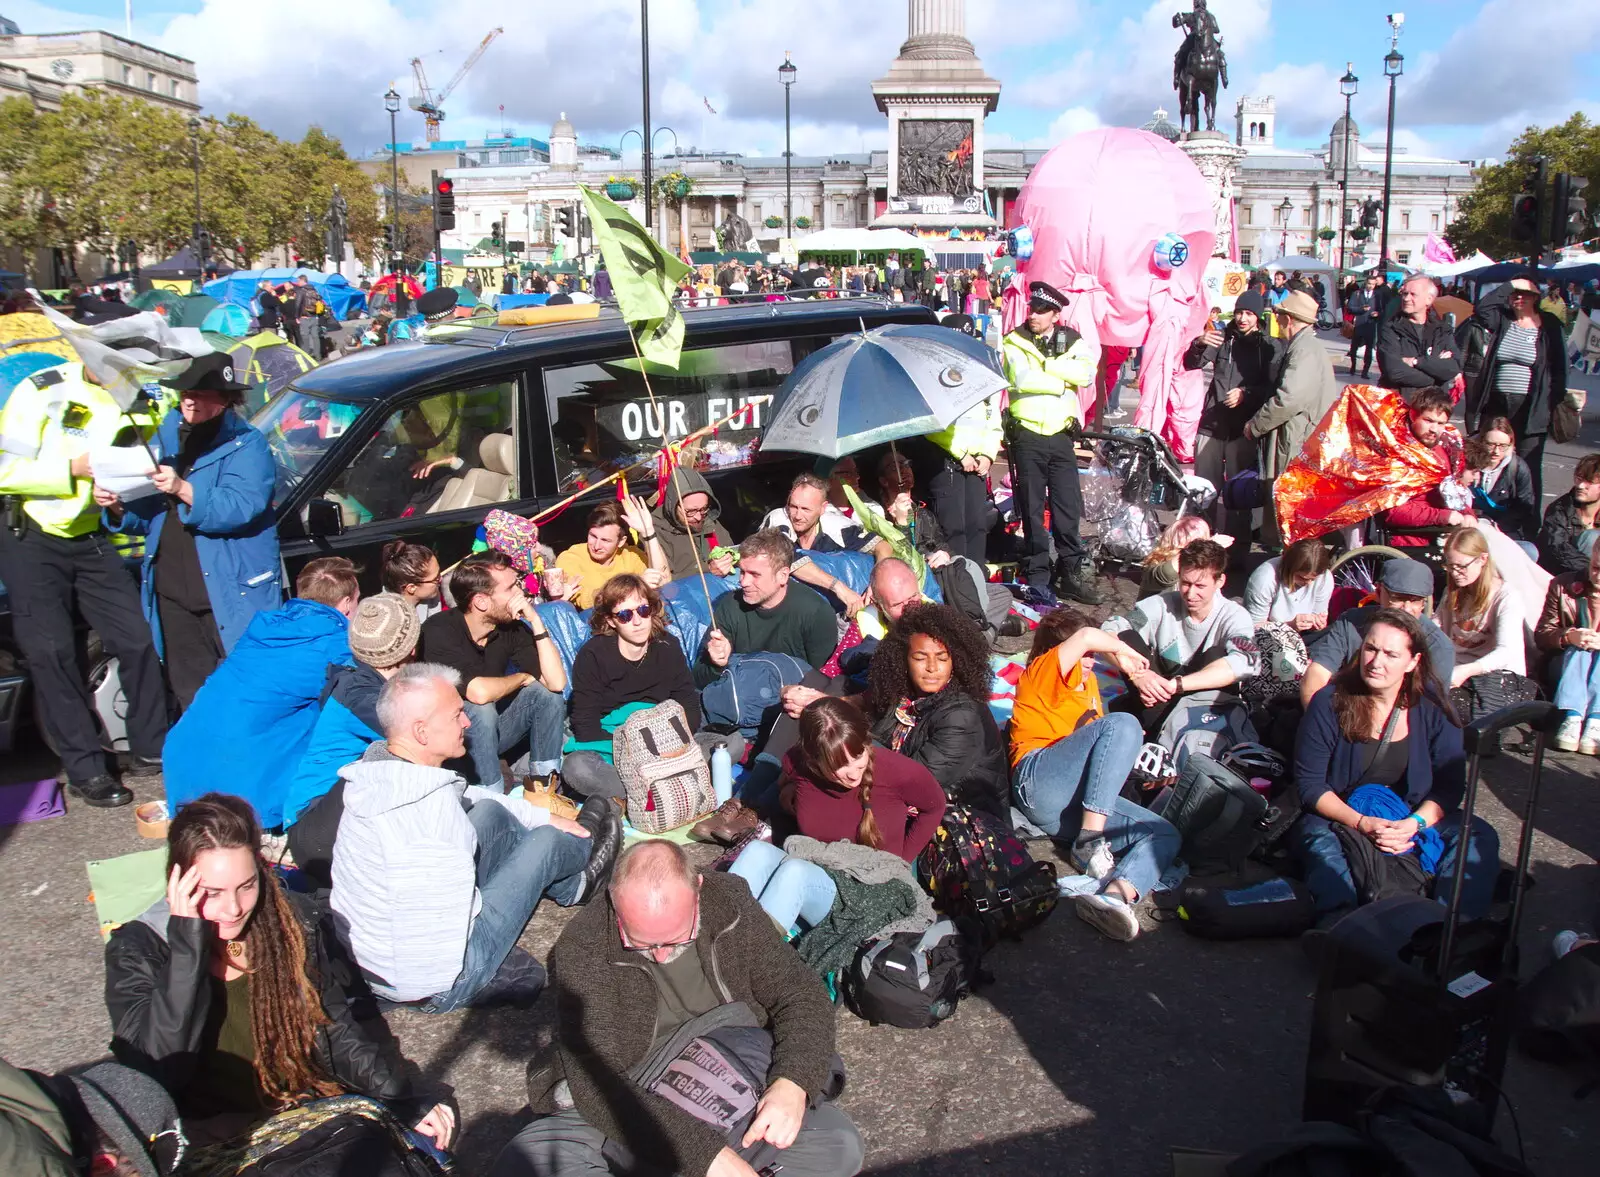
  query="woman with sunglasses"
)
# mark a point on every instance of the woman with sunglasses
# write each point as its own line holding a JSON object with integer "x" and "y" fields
{"x": 631, "y": 662}
{"x": 411, "y": 571}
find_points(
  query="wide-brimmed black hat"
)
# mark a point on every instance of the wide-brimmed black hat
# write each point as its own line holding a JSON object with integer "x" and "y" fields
{"x": 209, "y": 373}
{"x": 1042, "y": 294}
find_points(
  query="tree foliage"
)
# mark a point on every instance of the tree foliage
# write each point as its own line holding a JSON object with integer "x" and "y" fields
{"x": 1484, "y": 220}
{"x": 104, "y": 170}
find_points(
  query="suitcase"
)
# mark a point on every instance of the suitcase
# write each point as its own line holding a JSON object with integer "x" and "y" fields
{"x": 1388, "y": 1013}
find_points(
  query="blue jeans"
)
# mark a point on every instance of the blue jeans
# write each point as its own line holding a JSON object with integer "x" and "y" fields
{"x": 515, "y": 867}
{"x": 1327, "y": 872}
{"x": 534, "y": 715}
{"x": 790, "y": 890}
{"x": 1578, "y": 688}
{"x": 1086, "y": 771}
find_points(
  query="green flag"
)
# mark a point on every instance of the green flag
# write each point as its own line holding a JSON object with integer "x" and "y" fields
{"x": 644, "y": 278}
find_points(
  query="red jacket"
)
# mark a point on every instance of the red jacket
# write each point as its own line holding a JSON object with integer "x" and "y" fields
{"x": 1426, "y": 510}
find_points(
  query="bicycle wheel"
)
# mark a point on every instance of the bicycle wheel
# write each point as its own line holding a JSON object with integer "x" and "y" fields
{"x": 1359, "y": 567}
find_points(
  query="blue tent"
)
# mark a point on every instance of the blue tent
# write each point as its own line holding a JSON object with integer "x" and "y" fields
{"x": 228, "y": 319}
{"x": 239, "y": 288}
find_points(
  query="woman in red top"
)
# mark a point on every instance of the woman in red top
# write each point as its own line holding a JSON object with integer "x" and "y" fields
{"x": 846, "y": 789}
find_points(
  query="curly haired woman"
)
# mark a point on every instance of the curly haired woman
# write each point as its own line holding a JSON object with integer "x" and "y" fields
{"x": 928, "y": 698}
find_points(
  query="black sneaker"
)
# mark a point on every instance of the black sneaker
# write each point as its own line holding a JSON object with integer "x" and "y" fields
{"x": 1078, "y": 584}
{"x": 103, "y": 792}
{"x": 601, "y": 817}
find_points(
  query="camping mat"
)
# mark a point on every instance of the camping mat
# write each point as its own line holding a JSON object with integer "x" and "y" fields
{"x": 30, "y": 801}
{"x": 123, "y": 888}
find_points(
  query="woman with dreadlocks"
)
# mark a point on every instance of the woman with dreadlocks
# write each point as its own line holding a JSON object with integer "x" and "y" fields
{"x": 235, "y": 997}
{"x": 928, "y": 699}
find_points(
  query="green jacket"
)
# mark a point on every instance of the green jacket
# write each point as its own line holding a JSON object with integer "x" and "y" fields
{"x": 1045, "y": 381}
{"x": 35, "y": 1139}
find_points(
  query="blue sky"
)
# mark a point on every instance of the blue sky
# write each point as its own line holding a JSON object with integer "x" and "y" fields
{"x": 1476, "y": 73}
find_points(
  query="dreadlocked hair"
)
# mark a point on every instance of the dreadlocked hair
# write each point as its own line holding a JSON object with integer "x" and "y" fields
{"x": 888, "y": 676}
{"x": 833, "y": 733}
{"x": 285, "y": 1007}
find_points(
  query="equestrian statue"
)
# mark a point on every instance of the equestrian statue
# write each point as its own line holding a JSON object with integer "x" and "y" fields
{"x": 1198, "y": 67}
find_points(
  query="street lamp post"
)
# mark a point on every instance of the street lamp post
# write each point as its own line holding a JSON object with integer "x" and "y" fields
{"x": 646, "y": 140}
{"x": 1393, "y": 66}
{"x": 391, "y": 103}
{"x": 1284, "y": 210}
{"x": 1347, "y": 87}
{"x": 786, "y": 73}
{"x": 199, "y": 233}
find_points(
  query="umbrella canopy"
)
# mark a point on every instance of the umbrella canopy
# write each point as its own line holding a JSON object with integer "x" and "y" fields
{"x": 266, "y": 362}
{"x": 904, "y": 380}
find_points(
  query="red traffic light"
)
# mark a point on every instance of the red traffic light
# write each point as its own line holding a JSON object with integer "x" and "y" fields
{"x": 445, "y": 187}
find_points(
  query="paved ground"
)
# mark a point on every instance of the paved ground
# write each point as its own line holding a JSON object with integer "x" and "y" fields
{"x": 1084, "y": 1058}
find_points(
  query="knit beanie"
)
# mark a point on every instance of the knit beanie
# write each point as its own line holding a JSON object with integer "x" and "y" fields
{"x": 1251, "y": 300}
{"x": 384, "y": 630}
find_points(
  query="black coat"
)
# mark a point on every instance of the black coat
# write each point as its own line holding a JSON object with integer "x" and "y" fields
{"x": 1250, "y": 362}
{"x": 1478, "y": 341}
{"x": 158, "y": 993}
{"x": 1400, "y": 339}
{"x": 957, "y": 741}
{"x": 1558, "y": 538}
{"x": 1509, "y": 503}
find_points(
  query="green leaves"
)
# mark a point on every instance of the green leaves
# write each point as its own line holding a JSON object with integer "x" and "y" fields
{"x": 1484, "y": 219}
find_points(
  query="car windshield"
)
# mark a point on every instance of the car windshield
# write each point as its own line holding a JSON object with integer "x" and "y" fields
{"x": 300, "y": 428}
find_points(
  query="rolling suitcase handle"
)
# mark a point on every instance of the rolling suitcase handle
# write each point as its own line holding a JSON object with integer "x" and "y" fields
{"x": 1543, "y": 718}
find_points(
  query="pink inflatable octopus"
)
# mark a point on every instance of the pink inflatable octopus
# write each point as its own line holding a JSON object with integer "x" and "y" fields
{"x": 1098, "y": 205}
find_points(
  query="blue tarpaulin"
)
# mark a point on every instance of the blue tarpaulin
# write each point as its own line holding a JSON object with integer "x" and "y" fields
{"x": 239, "y": 288}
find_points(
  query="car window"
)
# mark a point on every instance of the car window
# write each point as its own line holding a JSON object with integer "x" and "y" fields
{"x": 446, "y": 452}
{"x": 602, "y": 418}
{"x": 300, "y": 427}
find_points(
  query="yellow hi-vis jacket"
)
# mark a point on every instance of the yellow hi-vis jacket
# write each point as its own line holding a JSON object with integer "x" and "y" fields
{"x": 976, "y": 433}
{"x": 49, "y": 419}
{"x": 1044, "y": 397}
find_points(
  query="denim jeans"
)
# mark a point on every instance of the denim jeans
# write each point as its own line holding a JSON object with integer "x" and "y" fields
{"x": 1327, "y": 872}
{"x": 790, "y": 890}
{"x": 515, "y": 867}
{"x": 1578, "y": 688}
{"x": 1086, "y": 771}
{"x": 534, "y": 715}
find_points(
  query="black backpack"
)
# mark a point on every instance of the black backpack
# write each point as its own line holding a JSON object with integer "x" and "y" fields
{"x": 1251, "y": 905}
{"x": 976, "y": 869}
{"x": 326, "y": 1138}
{"x": 909, "y": 980}
{"x": 1218, "y": 815}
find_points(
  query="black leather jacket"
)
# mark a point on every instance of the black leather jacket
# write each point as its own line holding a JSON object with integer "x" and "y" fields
{"x": 1251, "y": 362}
{"x": 158, "y": 992}
{"x": 956, "y": 740}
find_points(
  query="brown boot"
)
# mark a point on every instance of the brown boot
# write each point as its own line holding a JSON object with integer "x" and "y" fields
{"x": 727, "y": 824}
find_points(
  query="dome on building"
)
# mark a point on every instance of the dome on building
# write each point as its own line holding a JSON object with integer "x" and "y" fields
{"x": 1339, "y": 128}
{"x": 563, "y": 129}
{"x": 1160, "y": 126}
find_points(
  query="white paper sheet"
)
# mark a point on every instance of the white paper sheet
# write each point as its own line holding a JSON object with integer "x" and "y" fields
{"x": 124, "y": 470}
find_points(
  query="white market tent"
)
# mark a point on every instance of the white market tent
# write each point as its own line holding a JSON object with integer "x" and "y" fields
{"x": 1477, "y": 261}
{"x": 848, "y": 245}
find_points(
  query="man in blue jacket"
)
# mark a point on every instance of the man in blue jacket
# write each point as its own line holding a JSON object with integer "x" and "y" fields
{"x": 211, "y": 557}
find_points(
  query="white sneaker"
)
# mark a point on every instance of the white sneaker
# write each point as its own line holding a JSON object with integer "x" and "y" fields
{"x": 1589, "y": 745}
{"x": 1108, "y": 914}
{"x": 1569, "y": 733}
{"x": 1099, "y": 863}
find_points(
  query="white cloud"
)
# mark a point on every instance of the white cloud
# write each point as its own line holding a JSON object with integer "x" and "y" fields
{"x": 1072, "y": 121}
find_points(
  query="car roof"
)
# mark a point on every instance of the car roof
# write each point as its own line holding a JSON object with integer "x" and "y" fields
{"x": 375, "y": 373}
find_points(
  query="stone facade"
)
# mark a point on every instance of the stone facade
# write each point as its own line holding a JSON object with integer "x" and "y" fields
{"x": 44, "y": 66}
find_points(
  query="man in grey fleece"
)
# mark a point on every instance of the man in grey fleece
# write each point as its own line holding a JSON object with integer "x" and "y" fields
{"x": 436, "y": 879}
{"x": 688, "y": 516}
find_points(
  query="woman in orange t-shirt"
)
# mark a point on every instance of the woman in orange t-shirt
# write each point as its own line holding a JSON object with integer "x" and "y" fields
{"x": 1069, "y": 761}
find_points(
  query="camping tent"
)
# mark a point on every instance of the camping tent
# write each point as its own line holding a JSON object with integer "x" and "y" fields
{"x": 852, "y": 246}
{"x": 239, "y": 288}
{"x": 183, "y": 264}
{"x": 265, "y": 361}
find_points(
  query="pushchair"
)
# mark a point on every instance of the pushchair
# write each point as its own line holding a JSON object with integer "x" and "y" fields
{"x": 1132, "y": 475}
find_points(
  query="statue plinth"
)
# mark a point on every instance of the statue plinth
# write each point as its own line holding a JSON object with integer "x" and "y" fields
{"x": 1218, "y": 161}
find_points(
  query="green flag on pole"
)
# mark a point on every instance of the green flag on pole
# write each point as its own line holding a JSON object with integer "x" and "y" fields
{"x": 644, "y": 278}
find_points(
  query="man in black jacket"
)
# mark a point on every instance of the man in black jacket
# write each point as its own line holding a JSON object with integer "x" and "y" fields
{"x": 669, "y": 945}
{"x": 1416, "y": 348}
{"x": 1365, "y": 306}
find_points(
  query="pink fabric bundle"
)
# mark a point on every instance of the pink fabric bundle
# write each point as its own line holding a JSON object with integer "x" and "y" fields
{"x": 1097, "y": 205}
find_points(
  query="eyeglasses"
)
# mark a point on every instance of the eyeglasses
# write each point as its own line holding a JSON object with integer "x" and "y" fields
{"x": 695, "y": 512}
{"x": 1498, "y": 445}
{"x": 694, "y": 934}
{"x": 640, "y": 611}
{"x": 1461, "y": 565}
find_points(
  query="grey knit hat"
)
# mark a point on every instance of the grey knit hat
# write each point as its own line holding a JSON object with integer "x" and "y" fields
{"x": 384, "y": 630}
{"x": 135, "y": 1113}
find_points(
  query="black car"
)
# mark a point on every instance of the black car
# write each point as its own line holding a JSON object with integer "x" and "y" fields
{"x": 421, "y": 441}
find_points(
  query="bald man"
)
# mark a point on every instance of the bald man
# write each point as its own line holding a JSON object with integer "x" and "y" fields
{"x": 661, "y": 960}
{"x": 1416, "y": 348}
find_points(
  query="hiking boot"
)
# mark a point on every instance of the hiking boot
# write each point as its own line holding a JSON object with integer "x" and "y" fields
{"x": 1589, "y": 743}
{"x": 601, "y": 817}
{"x": 1092, "y": 858}
{"x": 103, "y": 792}
{"x": 727, "y": 825}
{"x": 1078, "y": 584}
{"x": 1108, "y": 914}
{"x": 1569, "y": 733}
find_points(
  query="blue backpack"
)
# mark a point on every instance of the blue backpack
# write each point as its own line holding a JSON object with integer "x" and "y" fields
{"x": 748, "y": 688}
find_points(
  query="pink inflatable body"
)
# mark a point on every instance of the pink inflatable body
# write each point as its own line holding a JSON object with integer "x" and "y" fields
{"x": 1098, "y": 204}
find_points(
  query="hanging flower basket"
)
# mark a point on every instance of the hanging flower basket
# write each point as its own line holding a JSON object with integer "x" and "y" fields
{"x": 1327, "y": 234}
{"x": 621, "y": 189}
{"x": 674, "y": 186}
{"x": 1360, "y": 233}
{"x": 773, "y": 222}
{"x": 802, "y": 222}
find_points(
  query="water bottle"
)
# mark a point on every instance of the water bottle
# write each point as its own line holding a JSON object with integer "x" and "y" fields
{"x": 722, "y": 773}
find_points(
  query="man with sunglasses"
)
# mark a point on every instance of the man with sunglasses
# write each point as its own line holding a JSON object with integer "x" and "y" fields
{"x": 665, "y": 947}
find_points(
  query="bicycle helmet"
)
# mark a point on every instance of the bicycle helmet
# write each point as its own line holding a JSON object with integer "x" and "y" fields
{"x": 1253, "y": 760}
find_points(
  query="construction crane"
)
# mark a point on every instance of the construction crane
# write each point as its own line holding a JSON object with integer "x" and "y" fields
{"x": 429, "y": 104}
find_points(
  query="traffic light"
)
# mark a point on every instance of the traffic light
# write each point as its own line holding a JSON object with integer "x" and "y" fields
{"x": 494, "y": 232}
{"x": 564, "y": 220}
{"x": 388, "y": 238}
{"x": 1570, "y": 221}
{"x": 444, "y": 204}
{"x": 1527, "y": 206}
